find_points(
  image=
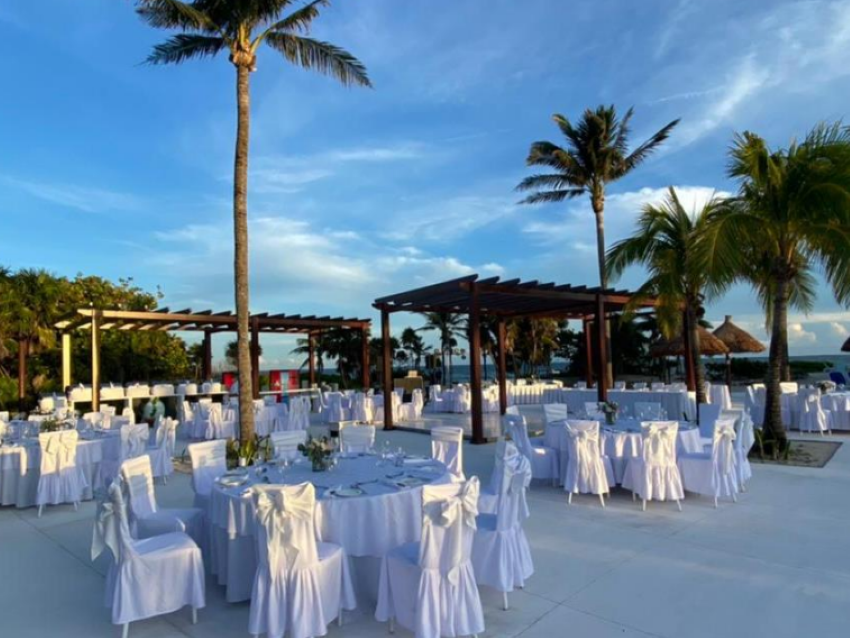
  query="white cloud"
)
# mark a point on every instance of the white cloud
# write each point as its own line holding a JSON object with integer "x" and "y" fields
{"x": 839, "y": 329}
{"x": 798, "y": 335}
{"x": 83, "y": 198}
{"x": 447, "y": 219}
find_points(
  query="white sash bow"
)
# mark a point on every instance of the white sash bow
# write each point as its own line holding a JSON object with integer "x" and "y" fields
{"x": 278, "y": 519}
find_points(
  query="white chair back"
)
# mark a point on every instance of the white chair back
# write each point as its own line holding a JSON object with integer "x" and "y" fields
{"x": 285, "y": 444}
{"x": 554, "y": 412}
{"x": 659, "y": 443}
{"x": 209, "y": 461}
{"x": 447, "y": 447}
{"x": 789, "y": 387}
{"x": 619, "y": 385}
{"x": 657, "y": 385}
{"x": 723, "y": 448}
{"x": 581, "y": 385}
{"x": 165, "y": 436}
{"x": 511, "y": 507}
{"x": 448, "y": 526}
{"x": 356, "y": 439}
{"x": 708, "y": 415}
{"x": 286, "y": 535}
{"x": 112, "y": 528}
{"x": 138, "y": 477}
{"x": 58, "y": 451}
{"x": 134, "y": 440}
{"x": 639, "y": 385}
{"x": 585, "y": 470}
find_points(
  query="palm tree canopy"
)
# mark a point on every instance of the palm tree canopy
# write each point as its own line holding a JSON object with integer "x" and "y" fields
{"x": 208, "y": 27}
{"x": 448, "y": 327}
{"x": 670, "y": 243}
{"x": 791, "y": 215}
{"x": 596, "y": 153}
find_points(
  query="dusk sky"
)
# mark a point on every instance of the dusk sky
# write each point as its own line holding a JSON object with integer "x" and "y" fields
{"x": 115, "y": 168}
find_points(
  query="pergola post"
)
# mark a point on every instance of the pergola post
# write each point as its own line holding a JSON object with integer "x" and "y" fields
{"x": 501, "y": 365}
{"x": 602, "y": 349}
{"x": 206, "y": 367}
{"x": 255, "y": 357}
{"x": 387, "y": 368}
{"x": 95, "y": 361}
{"x": 475, "y": 365}
{"x": 364, "y": 360}
{"x": 311, "y": 359}
{"x": 588, "y": 351}
{"x": 66, "y": 360}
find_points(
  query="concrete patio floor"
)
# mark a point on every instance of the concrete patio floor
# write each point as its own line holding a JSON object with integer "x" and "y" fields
{"x": 775, "y": 564}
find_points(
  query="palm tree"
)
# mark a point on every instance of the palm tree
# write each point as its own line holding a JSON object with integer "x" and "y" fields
{"x": 670, "y": 243}
{"x": 791, "y": 215}
{"x": 487, "y": 327}
{"x": 448, "y": 326}
{"x": 413, "y": 343}
{"x": 239, "y": 27}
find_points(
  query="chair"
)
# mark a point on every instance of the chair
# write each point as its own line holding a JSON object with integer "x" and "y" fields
{"x": 501, "y": 556}
{"x": 300, "y": 585}
{"x": 639, "y": 385}
{"x": 554, "y": 412}
{"x": 209, "y": 461}
{"x": 357, "y": 439}
{"x": 447, "y": 448}
{"x": 285, "y": 444}
{"x": 413, "y": 410}
{"x": 505, "y": 452}
{"x": 148, "y": 577}
{"x": 580, "y": 385}
{"x": 145, "y": 517}
{"x": 588, "y": 472}
{"x": 592, "y": 409}
{"x": 656, "y": 385}
{"x": 713, "y": 473}
{"x": 789, "y": 387}
{"x": 429, "y": 587}
{"x": 361, "y": 410}
{"x": 744, "y": 441}
{"x": 813, "y": 418}
{"x": 654, "y": 475}
{"x": 754, "y": 404}
{"x": 708, "y": 415}
{"x": 646, "y": 411}
{"x": 60, "y": 480}
{"x": 335, "y": 413}
{"x": 162, "y": 454}
{"x": 544, "y": 460}
{"x": 619, "y": 385}
{"x": 435, "y": 400}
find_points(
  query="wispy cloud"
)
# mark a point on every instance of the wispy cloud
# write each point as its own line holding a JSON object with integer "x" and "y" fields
{"x": 83, "y": 198}
{"x": 448, "y": 219}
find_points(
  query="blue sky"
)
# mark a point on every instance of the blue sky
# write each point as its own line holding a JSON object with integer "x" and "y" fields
{"x": 119, "y": 169}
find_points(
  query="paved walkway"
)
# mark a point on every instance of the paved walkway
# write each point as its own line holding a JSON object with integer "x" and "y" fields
{"x": 776, "y": 564}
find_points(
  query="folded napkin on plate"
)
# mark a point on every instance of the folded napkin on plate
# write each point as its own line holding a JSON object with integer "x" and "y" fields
{"x": 417, "y": 461}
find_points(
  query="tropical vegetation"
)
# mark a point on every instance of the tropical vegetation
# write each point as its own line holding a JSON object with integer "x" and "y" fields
{"x": 239, "y": 28}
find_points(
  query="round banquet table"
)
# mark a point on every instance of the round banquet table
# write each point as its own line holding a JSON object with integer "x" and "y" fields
{"x": 621, "y": 442}
{"x": 838, "y": 403}
{"x": 367, "y": 526}
{"x": 20, "y": 462}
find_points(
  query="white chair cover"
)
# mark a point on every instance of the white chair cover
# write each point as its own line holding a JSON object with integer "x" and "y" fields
{"x": 587, "y": 470}
{"x": 145, "y": 517}
{"x": 209, "y": 461}
{"x": 655, "y": 475}
{"x": 501, "y": 555}
{"x": 506, "y": 452}
{"x": 708, "y": 415}
{"x": 162, "y": 453}
{"x": 619, "y": 385}
{"x": 356, "y": 439}
{"x": 285, "y": 444}
{"x": 335, "y": 412}
{"x": 361, "y": 410}
{"x": 754, "y": 404}
{"x": 148, "y": 577}
{"x": 554, "y": 412}
{"x": 134, "y": 440}
{"x": 639, "y": 385}
{"x": 300, "y": 585}
{"x": 429, "y": 587}
{"x": 545, "y": 462}
{"x": 744, "y": 441}
{"x": 60, "y": 481}
{"x": 715, "y": 473}
{"x": 813, "y": 418}
{"x": 447, "y": 448}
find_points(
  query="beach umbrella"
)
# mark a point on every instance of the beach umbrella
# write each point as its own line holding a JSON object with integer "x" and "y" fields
{"x": 709, "y": 345}
{"x": 738, "y": 341}
{"x": 846, "y": 346}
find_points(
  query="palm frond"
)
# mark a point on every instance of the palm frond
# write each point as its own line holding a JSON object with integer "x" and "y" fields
{"x": 321, "y": 56}
{"x": 643, "y": 151}
{"x": 173, "y": 14}
{"x": 299, "y": 20}
{"x": 184, "y": 46}
{"x": 548, "y": 197}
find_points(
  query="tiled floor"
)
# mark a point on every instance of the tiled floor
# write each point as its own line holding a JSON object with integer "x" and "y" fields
{"x": 775, "y": 564}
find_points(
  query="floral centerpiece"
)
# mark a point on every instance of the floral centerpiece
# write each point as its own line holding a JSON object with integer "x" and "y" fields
{"x": 50, "y": 425}
{"x": 827, "y": 386}
{"x": 318, "y": 451}
{"x": 610, "y": 409}
{"x": 250, "y": 452}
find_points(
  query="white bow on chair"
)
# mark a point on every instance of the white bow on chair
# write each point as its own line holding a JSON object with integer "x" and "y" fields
{"x": 137, "y": 441}
{"x": 724, "y": 449}
{"x": 586, "y": 442}
{"x": 105, "y": 532}
{"x": 655, "y": 446}
{"x": 277, "y": 515}
{"x": 464, "y": 506}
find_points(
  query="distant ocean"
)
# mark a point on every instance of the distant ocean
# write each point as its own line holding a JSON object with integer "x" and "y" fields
{"x": 840, "y": 361}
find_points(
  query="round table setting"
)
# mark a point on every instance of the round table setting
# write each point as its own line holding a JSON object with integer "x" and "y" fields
{"x": 20, "y": 462}
{"x": 366, "y": 503}
{"x": 623, "y": 441}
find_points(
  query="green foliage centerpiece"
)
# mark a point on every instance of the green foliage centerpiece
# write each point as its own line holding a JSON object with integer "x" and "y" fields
{"x": 249, "y": 452}
{"x": 318, "y": 451}
{"x": 610, "y": 409}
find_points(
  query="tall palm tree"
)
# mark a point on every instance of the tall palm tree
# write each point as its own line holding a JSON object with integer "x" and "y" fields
{"x": 449, "y": 327}
{"x": 413, "y": 343}
{"x": 791, "y": 215}
{"x": 670, "y": 243}
{"x": 240, "y": 27}
{"x": 487, "y": 327}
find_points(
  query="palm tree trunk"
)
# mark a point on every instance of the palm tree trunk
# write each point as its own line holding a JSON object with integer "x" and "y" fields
{"x": 786, "y": 361}
{"x": 598, "y": 203}
{"x": 773, "y": 426}
{"x": 23, "y": 355}
{"x": 693, "y": 342}
{"x": 240, "y": 261}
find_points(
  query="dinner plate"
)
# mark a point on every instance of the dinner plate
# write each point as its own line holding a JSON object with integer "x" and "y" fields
{"x": 346, "y": 492}
{"x": 233, "y": 480}
{"x": 409, "y": 481}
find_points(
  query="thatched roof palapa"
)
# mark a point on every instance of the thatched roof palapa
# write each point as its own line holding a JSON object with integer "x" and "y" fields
{"x": 708, "y": 345}
{"x": 737, "y": 339}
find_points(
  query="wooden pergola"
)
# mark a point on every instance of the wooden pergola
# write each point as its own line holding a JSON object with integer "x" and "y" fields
{"x": 505, "y": 300}
{"x": 208, "y": 322}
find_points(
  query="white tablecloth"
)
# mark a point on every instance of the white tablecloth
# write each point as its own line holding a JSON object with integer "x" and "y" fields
{"x": 839, "y": 404}
{"x": 19, "y": 488}
{"x": 366, "y": 526}
{"x": 674, "y": 402}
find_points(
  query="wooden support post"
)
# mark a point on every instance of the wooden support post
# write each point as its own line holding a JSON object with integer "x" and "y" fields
{"x": 602, "y": 349}
{"x": 364, "y": 360}
{"x": 311, "y": 356}
{"x": 66, "y": 360}
{"x": 587, "y": 326}
{"x": 729, "y": 371}
{"x": 501, "y": 365}
{"x": 206, "y": 368}
{"x": 255, "y": 356}
{"x": 95, "y": 361}
{"x": 475, "y": 366}
{"x": 387, "y": 368}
